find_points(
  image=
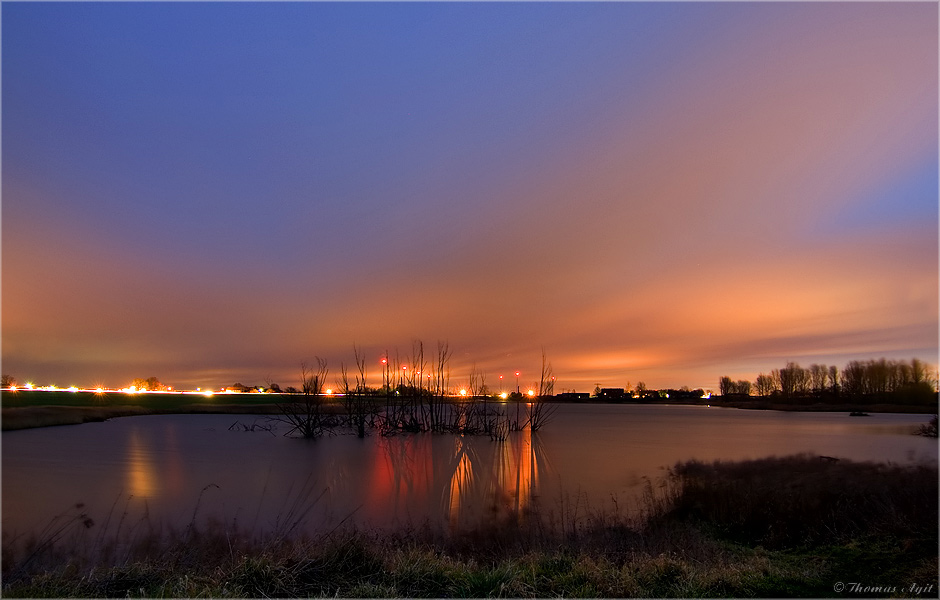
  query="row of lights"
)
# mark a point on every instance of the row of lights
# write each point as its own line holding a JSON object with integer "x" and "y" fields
{"x": 100, "y": 390}
{"x": 208, "y": 393}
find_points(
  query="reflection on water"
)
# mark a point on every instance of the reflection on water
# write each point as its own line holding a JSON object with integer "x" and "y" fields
{"x": 451, "y": 478}
{"x": 516, "y": 472}
{"x": 461, "y": 481}
{"x": 164, "y": 463}
{"x": 504, "y": 479}
{"x": 141, "y": 479}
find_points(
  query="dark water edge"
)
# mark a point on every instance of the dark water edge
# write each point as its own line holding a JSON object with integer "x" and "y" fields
{"x": 30, "y": 417}
{"x": 797, "y": 526}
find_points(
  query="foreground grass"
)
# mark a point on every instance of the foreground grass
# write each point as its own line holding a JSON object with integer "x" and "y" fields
{"x": 789, "y": 527}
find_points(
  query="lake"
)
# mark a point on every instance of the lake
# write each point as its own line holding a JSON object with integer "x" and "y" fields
{"x": 590, "y": 456}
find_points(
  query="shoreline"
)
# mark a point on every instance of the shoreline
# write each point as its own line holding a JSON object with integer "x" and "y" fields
{"x": 32, "y": 417}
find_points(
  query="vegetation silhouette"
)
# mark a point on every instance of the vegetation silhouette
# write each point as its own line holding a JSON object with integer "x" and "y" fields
{"x": 414, "y": 398}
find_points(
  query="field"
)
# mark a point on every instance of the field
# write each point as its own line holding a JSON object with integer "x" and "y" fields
{"x": 30, "y": 408}
{"x": 780, "y": 527}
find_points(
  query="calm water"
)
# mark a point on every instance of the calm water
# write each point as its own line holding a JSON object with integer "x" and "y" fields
{"x": 170, "y": 467}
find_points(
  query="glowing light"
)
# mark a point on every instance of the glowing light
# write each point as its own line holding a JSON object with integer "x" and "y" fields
{"x": 29, "y": 385}
{"x": 99, "y": 391}
{"x": 207, "y": 393}
{"x": 329, "y": 391}
{"x": 531, "y": 393}
{"x": 12, "y": 388}
{"x": 384, "y": 361}
{"x": 72, "y": 389}
{"x": 463, "y": 392}
{"x": 504, "y": 395}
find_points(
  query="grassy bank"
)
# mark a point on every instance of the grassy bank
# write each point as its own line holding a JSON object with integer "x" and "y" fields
{"x": 26, "y": 409}
{"x": 795, "y": 526}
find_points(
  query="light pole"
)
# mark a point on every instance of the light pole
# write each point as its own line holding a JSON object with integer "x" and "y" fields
{"x": 517, "y": 382}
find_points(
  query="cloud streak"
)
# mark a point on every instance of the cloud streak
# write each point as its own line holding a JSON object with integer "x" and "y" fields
{"x": 657, "y": 192}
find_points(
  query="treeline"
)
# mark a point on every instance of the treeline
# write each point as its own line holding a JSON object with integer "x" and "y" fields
{"x": 881, "y": 380}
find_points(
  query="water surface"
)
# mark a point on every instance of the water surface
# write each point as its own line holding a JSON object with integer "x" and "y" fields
{"x": 171, "y": 467}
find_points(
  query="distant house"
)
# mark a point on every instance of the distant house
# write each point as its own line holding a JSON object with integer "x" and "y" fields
{"x": 573, "y": 397}
{"x": 612, "y": 394}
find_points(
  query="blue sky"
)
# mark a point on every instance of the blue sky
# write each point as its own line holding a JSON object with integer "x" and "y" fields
{"x": 664, "y": 192}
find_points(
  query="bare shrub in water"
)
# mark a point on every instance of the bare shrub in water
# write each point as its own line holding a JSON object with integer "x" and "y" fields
{"x": 305, "y": 413}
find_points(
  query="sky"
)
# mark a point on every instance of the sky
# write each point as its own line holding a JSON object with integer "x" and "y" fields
{"x": 213, "y": 193}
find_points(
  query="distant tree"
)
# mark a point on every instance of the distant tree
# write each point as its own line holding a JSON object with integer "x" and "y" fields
{"x": 833, "y": 380}
{"x": 794, "y": 381}
{"x": 819, "y": 376}
{"x": 7, "y": 381}
{"x": 640, "y": 388}
{"x": 919, "y": 372}
{"x": 151, "y": 384}
{"x": 728, "y": 386}
{"x": 272, "y": 386}
{"x": 764, "y": 385}
{"x": 725, "y": 386}
{"x": 853, "y": 379}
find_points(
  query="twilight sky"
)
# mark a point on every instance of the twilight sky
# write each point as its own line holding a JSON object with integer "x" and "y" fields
{"x": 655, "y": 192}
